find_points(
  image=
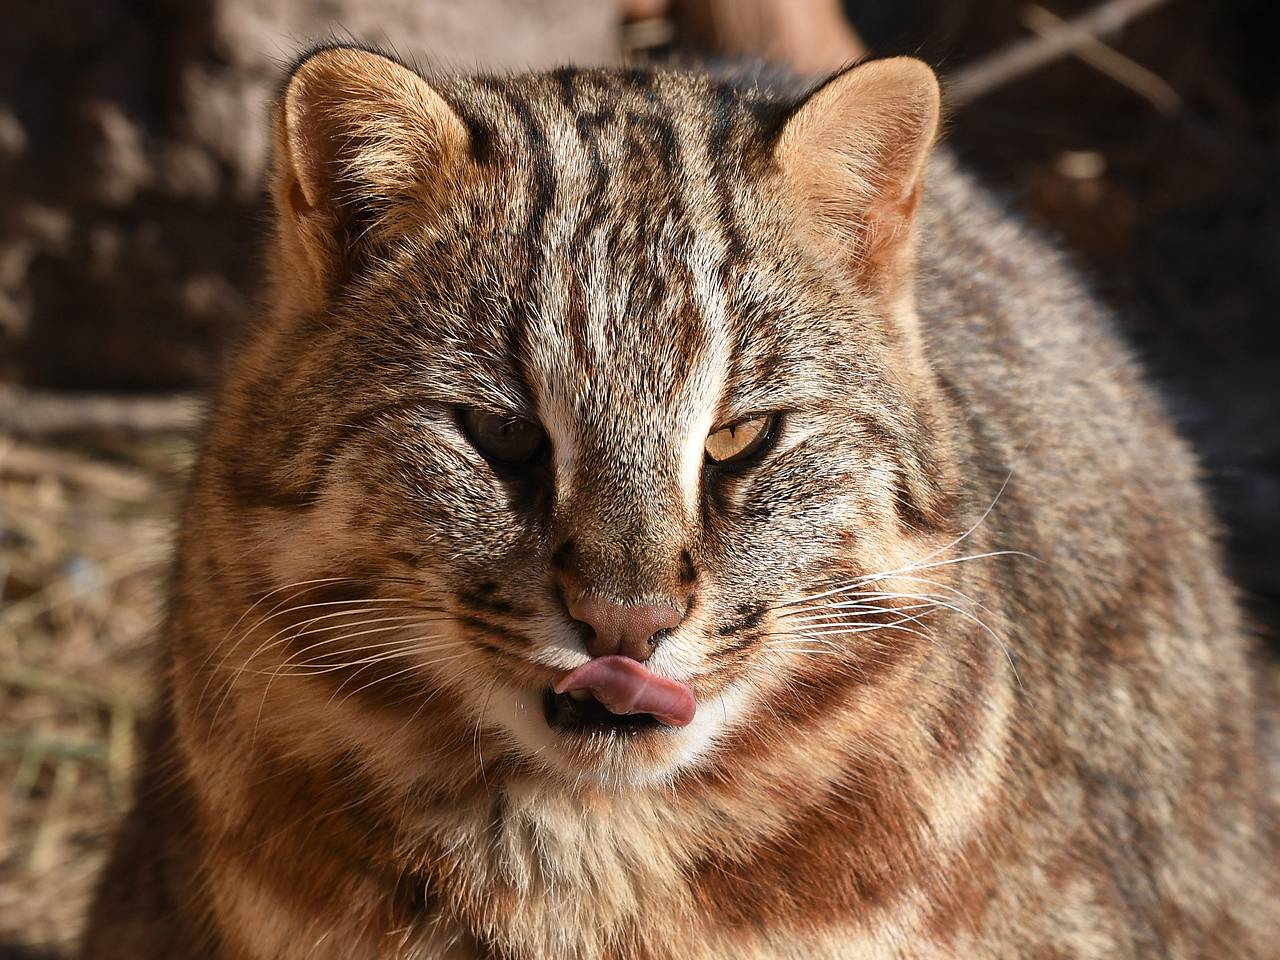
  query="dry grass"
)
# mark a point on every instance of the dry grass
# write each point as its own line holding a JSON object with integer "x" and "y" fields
{"x": 84, "y": 543}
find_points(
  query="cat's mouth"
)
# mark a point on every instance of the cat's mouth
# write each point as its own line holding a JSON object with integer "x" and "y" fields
{"x": 581, "y": 712}
{"x": 616, "y": 694}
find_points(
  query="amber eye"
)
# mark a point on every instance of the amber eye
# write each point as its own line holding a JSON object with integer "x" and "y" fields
{"x": 504, "y": 439}
{"x": 741, "y": 444}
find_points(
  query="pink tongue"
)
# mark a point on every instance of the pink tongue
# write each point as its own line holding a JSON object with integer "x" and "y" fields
{"x": 624, "y": 685}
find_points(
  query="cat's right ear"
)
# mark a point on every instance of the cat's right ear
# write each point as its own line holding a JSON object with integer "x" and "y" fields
{"x": 363, "y": 148}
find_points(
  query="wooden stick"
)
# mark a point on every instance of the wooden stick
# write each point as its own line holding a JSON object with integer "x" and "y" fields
{"x": 1030, "y": 54}
{"x": 51, "y": 749}
{"x": 43, "y": 681}
{"x": 108, "y": 479}
{"x": 1110, "y": 61}
{"x": 809, "y": 36}
{"x": 41, "y": 413}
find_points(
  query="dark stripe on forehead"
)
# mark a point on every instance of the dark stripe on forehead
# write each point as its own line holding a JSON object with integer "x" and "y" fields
{"x": 724, "y": 105}
{"x": 576, "y": 312}
{"x": 656, "y": 131}
{"x": 566, "y": 78}
{"x": 634, "y": 195}
{"x": 481, "y": 136}
{"x": 771, "y": 116}
{"x": 689, "y": 338}
{"x": 543, "y": 191}
{"x": 589, "y": 126}
{"x": 662, "y": 136}
{"x": 642, "y": 80}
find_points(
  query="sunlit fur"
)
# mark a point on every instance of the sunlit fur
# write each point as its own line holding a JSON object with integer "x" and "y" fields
{"x": 970, "y": 680}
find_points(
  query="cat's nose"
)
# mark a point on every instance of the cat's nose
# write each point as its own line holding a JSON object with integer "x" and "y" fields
{"x": 632, "y": 631}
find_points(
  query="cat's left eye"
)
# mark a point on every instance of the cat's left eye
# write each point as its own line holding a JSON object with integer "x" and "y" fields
{"x": 741, "y": 444}
{"x": 507, "y": 440}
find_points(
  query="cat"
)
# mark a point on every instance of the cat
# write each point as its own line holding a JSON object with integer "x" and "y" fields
{"x": 658, "y": 518}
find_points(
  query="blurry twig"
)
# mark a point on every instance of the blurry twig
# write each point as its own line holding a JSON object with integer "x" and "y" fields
{"x": 111, "y": 480}
{"x": 55, "y": 823}
{"x": 120, "y": 748}
{"x": 40, "y": 413}
{"x": 639, "y": 36}
{"x": 1105, "y": 59}
{"x": 33, "y": 678}
{"x": 49, "y": 749}
{"x": 33, "y": 750}
{"x": 1032, "y": 53}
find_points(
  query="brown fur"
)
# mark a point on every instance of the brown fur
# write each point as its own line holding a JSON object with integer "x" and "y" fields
{"x": 971, "y": 681}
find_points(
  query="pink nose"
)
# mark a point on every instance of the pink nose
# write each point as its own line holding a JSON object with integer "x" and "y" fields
{"x": 617, "y": 629}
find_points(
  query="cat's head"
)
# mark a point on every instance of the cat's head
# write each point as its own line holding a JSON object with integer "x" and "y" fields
{"x": 593, "y": 364}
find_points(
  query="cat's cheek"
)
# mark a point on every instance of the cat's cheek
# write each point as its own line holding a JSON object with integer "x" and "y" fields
{"x": 302, "y": 545}
{"x": 333, "y": 537}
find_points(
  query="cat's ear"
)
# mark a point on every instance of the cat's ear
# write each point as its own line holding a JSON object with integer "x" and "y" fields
{"x": 364, "y": 148}
{"x": 853, "y": 155}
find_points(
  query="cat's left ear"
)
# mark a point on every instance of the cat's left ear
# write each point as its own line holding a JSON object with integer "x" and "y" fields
{"x": 853, "y": 155}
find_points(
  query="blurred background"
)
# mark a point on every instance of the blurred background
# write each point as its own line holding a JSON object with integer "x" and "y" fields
{"x": 1144, "y": 134}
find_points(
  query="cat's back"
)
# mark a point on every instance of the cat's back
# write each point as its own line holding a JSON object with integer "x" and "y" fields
{"x": 1048, "y": 389}
{"x": 1146, "y": 705}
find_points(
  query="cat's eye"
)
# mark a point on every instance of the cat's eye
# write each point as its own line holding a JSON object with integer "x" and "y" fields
{"x": 504, "y": 439}
{"x": 741, "y": 444}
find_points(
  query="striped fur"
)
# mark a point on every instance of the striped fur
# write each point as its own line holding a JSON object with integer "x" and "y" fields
{"x": 971, "y": 681}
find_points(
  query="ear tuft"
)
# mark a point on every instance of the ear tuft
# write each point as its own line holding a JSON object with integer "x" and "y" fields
{"x": 363, "y": 148}
{"x": 853, "y": 155}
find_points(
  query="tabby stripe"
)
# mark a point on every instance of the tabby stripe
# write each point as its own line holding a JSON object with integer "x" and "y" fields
{"x": 724, "y": 105}
{"x": 544, "y": 183}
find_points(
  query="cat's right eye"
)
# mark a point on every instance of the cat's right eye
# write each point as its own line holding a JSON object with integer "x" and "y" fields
{"x": 504, "y": 439}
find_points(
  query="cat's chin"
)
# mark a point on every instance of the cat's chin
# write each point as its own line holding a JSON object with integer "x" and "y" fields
{"x": 629, "y": 753}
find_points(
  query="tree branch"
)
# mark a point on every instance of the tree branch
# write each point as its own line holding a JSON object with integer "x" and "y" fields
{"x": 39, "y": 413}
{"x": 1030, "y": 54}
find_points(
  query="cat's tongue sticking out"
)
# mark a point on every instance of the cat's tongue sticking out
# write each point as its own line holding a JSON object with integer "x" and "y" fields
{"x": 625, "y": 686}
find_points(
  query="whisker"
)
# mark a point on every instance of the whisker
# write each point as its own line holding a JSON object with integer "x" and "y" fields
{"x": 902, "y": 571}
{"x": 362, "y": 605}
{"x": 248, "y": 610}
{"x": 262, "y": 702}
{"x": 278, "y": 636}
{"x": 977, "y": 523}
{"x": 271, "y": 641}
{"x": 395, "y": 622}
{"x": 954, "y": 591}
{"x": 854, "y": 631}
{"x": 978, "y": 622}
{"x": 309, "y": 585}
{"x": 313, "y": 666}
{"x": 475, "y": 739}
{"x": 409, "y": 669}
{"x": 406, "y": 646}
{"x": 846, "y": 611}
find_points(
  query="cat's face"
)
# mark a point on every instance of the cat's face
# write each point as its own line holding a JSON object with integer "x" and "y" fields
{"x": 607, "y": 372}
